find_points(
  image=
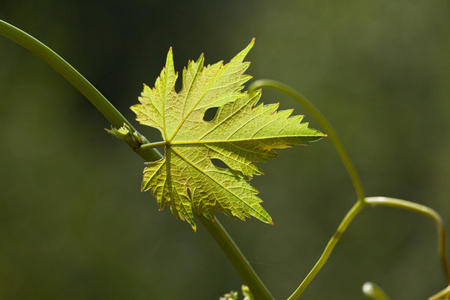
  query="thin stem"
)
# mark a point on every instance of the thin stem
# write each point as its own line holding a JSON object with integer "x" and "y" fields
{"x": 149, "y": 153}
{"x": 323, "y": 121}
{"x": 353, "y": 212}
{"x": 424, "y": 210}
{"x": 251, "y": 279}
{"x": 73, "y": 76}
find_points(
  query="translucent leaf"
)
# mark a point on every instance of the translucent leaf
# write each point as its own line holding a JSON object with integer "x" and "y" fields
{"x": 209, "y": 161}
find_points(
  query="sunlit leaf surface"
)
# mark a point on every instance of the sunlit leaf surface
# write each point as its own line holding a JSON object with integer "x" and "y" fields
{"x": 209, "y": 161}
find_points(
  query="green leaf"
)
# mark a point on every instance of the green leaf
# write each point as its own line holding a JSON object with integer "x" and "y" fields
{"x": 242, "y": 133}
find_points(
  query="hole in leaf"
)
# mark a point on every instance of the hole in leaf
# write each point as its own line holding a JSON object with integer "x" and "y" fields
{"x": 210, "y": 114}
{"x": 189, "y": 192}
{"x": 218, "y": 163}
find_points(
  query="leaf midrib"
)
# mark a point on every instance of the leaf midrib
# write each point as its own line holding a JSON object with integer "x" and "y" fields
{"x": 202, "y": 142}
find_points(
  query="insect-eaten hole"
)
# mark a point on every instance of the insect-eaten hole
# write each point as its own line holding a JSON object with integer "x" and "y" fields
{"x": 189, "y": 192}
{"x": 218, "y": 163}
{"x": 210, "y": 114}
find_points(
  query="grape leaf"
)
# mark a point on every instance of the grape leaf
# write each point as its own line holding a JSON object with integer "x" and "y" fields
{"x": 242, "y": 133}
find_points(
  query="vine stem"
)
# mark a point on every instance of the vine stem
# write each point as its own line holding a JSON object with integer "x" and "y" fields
{"x": 236, "y": 257}
{"x": 214, "y": 227}
{"x": 114, "y": 117}
{"x": 66, "y": 70}
{"x": 147, "y": 152}
{"x": 362, "y": 200}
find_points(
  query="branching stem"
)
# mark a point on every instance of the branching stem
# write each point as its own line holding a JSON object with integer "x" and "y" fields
{"x": 362, "y": 200}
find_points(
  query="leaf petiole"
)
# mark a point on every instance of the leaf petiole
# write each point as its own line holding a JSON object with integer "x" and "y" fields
{"x": 149, "y": 146}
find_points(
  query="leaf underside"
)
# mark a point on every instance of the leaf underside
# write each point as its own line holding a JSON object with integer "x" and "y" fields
{"x": 242, "y": 133}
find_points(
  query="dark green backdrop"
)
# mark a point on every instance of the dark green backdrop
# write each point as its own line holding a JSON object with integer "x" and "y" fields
{"x": 74, "y": 224}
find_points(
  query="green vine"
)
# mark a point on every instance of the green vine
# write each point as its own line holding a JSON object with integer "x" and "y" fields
{"x": 146, "y": 150}
{"x": 362, "y": 200}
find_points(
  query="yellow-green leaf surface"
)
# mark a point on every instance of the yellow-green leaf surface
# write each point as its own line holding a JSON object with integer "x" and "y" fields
{"x": 242, "y": 132}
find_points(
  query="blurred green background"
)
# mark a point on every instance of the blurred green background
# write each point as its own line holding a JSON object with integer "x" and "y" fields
{"x": 74, "y": 224}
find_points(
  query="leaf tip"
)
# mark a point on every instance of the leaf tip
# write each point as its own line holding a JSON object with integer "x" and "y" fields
{"x": 240, "y": 57}
{"x": 191, "y": 222}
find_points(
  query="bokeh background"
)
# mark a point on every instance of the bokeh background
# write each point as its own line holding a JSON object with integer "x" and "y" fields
{"x": 74, "y": 224}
